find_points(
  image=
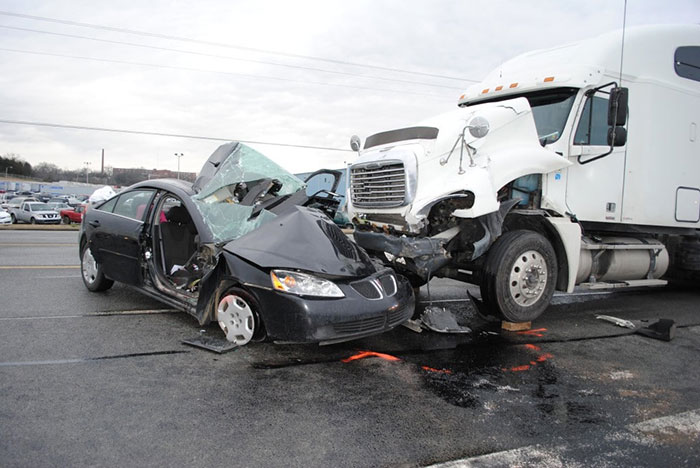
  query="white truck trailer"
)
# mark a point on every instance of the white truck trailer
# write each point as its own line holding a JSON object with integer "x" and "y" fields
{"x": 559, "y": 169}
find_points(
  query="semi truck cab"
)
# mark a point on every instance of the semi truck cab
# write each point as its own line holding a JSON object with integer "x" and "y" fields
{"x": 559, "y": 169}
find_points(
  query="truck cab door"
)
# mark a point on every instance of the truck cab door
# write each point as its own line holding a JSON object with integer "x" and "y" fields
{"x": 594, "y": 190}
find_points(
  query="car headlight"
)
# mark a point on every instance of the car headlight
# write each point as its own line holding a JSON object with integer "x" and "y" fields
{"x": 302, "y": 284}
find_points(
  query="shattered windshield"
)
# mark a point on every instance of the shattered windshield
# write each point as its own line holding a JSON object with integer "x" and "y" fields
{"x": 233, "y": 202}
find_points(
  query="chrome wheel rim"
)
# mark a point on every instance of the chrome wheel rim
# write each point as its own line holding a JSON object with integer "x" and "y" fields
{"x": 89, "y": 267}
{"x": 528, "y": 278}
{"x": 236, "y": 319}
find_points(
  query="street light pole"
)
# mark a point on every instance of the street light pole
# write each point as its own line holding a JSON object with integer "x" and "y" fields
{"x": 6, "y": 168}
{"x": 87, "y": 171}
{"x": 178, "y": 156}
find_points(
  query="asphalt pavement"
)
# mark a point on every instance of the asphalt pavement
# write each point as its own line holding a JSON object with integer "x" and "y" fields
{"x": 103, "y": 379}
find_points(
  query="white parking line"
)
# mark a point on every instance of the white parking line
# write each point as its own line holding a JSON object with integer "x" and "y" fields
{"x": 687, "y": 423}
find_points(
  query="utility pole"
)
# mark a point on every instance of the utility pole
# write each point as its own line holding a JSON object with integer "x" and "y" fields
{"x": 87, "y": 171}
{"x": 178, "y": 156}
{"x": 6, "y": 168}
{"x": 102, "y": 168}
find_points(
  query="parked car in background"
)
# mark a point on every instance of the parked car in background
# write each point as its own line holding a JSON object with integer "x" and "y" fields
{"x": 242, "y": 247}
{"x": 5, "y": 217}
{"x": 58, "y": 206}
{"x": 17, "y": 201}
{"x": 34, "y": 212}
{"x": 73, "y": 215}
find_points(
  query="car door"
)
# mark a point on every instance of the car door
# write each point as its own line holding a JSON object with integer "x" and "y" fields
{"x": 117, "y": 233}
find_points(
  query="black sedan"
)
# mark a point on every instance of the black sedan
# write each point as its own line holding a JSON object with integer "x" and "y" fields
{"x": 244, "y": 246}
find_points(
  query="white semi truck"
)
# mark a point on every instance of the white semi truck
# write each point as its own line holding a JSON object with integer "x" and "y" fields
{"x": 560, "y": 169}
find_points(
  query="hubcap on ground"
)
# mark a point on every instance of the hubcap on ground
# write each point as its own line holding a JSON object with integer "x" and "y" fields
{"x": 89, "y": 267}
{"x": 528, "y": 278}
{"x": 236, "y": 319}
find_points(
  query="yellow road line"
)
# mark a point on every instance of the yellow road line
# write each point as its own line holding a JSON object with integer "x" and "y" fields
{"x": 37, "y": 267}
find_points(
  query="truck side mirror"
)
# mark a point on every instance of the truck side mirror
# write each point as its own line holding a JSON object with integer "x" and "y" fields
{"x": 355, "y": 143}
{"x": 617, "y": 106}
{"x": 620, "y": 136}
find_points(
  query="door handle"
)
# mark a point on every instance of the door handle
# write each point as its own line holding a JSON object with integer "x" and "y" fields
{"x": 95, "y": 223}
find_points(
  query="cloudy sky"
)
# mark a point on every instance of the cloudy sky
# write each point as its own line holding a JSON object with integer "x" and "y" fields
{"x": 309, "y": 73}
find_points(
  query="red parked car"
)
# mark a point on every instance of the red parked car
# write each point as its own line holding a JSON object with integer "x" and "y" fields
{"x": 73, "y": 215}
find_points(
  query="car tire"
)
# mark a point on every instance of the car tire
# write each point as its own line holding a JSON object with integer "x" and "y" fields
{"x": 66, "y": 220}
{"x": 13, "y": 219}
{"x": 32, "y": 221}
{"x": 519, "y": 276}
{"x": 91, "y": 272}
{"x": 238, "y": 315}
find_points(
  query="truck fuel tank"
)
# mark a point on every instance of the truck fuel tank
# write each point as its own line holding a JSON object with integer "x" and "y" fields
{"x": 620, "y": 259}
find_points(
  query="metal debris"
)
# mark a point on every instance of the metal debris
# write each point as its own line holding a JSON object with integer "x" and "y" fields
{"x": 617, "y": 321}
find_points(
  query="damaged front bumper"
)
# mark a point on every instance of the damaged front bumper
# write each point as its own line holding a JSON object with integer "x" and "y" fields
{"x": 294, "y": 319}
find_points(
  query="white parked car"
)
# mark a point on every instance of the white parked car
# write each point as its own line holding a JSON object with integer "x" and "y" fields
{"x": 5, "y": 217}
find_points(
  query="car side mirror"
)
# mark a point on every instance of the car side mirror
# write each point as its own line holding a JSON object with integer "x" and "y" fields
{"x": 620, "y": 137}
{"x": 617, "y": 106}
{"x": 355, "y": 143}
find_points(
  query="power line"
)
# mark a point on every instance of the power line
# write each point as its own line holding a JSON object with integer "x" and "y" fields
{"x": 227, "y": 57}
{"x": 202, "y": 70}
{"x": 163, "y": 134}
{"x": 220, "y": 44}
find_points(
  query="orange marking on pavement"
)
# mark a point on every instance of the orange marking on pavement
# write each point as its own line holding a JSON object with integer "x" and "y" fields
{"x": 439, "y": 371}
{"x": 366, "y": 354}
{"x": 533, "y": 347}
{"x": 536, "y": 332}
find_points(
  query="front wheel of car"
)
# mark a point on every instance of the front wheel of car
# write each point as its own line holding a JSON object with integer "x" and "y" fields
{"x": 32, "y": 221}
{"x": 12, "y": 217}
{"x": 66, "y": 220}
{"x": 238, "y": 315}
{"x": 92, "y": 274}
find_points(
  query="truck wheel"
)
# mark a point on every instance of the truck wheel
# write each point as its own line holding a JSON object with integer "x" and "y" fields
{"x": 519, "y": 276}
{"x": 66, "y": 220}
{"x": 32, "y": 221}
{"x": 238, "y": 315}
{"x": 92, "y": 274}
{"x": 14, "y": 220}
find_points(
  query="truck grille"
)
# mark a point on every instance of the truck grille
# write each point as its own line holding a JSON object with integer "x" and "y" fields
{"x": 380, "y": 185}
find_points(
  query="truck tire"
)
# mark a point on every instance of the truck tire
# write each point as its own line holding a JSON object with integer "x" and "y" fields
{"x": 14, "y": 220}
{"x": 66, "y": 220}
{"x": 519, "y": 276}
{"x": 32, "y": 221}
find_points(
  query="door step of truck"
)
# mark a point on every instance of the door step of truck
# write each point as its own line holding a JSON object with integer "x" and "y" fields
{"x": 624, "y": 284}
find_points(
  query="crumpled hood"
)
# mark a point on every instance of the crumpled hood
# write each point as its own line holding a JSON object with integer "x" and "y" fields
{"x": 303, "y": 239}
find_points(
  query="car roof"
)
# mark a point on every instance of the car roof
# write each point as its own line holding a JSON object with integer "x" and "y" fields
{"x": 181, "y": 187}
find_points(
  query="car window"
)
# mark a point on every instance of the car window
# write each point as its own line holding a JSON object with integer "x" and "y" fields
{"x": 593, "y": 125}
{"x": 108, "y": 206}
{"x": 133, "y": 204}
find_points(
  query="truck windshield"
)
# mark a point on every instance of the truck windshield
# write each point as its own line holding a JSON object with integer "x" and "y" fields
{"x": 550, "y": 109}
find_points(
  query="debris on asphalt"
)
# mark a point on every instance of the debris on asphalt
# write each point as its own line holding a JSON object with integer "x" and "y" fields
{"x": 210, "y": 343}
{"x": 437, "y": 319}
{"x": 617, "y": 321}
{"x": 663, "y": 329}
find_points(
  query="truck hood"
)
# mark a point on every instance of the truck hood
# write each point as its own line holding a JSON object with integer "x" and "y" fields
{"x": 303, "y": 239}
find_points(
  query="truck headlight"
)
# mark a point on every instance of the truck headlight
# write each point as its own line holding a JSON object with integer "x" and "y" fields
{"x": 303, "y": 284}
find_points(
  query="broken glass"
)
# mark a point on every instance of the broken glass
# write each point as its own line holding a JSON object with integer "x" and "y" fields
{"x": 229, "y": 201}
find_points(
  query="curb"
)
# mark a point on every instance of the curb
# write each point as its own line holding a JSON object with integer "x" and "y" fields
{"x": 36, "y": 227}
